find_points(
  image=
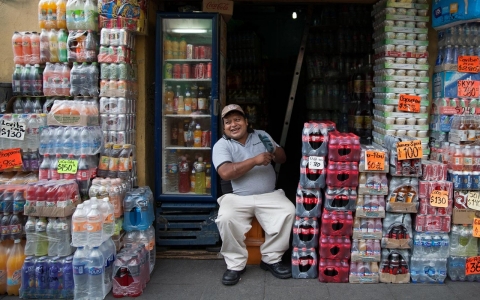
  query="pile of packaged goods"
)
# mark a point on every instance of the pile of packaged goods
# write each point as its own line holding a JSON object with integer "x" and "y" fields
{"x": 401, "y": 71}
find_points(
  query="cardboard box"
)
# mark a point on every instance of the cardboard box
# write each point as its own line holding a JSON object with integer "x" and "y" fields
{"x": 72, "y": 120}
{"x": 395, "y": 243}
{"x": 362, "y": 213}
{"x": 400, "y": 207}
{"x": 446, "y": 13}
{"x": 389, "y": 278}
{"x": 364, "y": 190}
{"x": 365, "y": 258}
{"x": 223, "y": 7}
{"x": 444, "y": 84}
{"x": 464, "y": 216}
{"x": 51, "y": 212}
{"x": 357, "y": 234}
{"x": 363, "y": 279}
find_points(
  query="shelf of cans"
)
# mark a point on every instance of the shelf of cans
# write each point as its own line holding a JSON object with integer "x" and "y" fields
{"x": 401, "y": 68}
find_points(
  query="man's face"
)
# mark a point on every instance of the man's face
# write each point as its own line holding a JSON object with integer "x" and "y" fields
{"x": 235, "y": 125}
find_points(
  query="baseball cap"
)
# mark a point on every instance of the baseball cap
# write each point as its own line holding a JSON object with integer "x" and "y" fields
{"x": 231, "y": 107}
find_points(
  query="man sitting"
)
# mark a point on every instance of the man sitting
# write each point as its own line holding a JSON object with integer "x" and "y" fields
{"x": 243, "y": 156}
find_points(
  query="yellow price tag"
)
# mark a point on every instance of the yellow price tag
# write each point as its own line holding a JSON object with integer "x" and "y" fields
{"x": 374, "y": 160}
{"x": 409, "y": 150}
{"x": 67, "y": 166}
{"x": 476, "y": 227}
{"x": 439, "y": 198}
{"x": 473, "y": 200}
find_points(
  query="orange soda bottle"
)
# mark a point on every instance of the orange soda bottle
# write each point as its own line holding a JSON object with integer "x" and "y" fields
{"x": 17, "y": 41}
{"x": 42, "y": 13}
{"x": 14, "y": 268}
{"x": 3, "y": 266}
{"x": 62, "y": 14}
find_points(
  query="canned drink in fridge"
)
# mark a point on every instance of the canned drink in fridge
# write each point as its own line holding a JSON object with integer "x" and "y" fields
{"x": 200, "y": 71}
{"x": 205, "y": 142}
{"x": 104, "y": 71}
{"x": 185, "y": 71}
{"x": 189, "y": 51}
{"x": 112, "y": 137}
{"x": 201, "y": 52}
{"x": 105, "y": 37}
{"x": 177, "y": 71}
{"x": 121, "y": 137}
{"x": 209, "y": 70}
{"x": 122, "y": 105}
{"x": 196, "y": 52}
{"x": 208, "y": 52}
{"x": 121, "y": 122}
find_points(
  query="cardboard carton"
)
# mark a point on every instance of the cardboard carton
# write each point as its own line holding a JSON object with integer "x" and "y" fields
{"x": 363, "y": 279}
{"x": 72, "y": 120}
{"x": 464, "y": 216}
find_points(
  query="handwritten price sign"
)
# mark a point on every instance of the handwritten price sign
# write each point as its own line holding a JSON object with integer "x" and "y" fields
{"x": 409, "y": 150}
{"x": 67, "y": 166}
{"x": 476, "y": 227}
{"x": 316, "y": 162}
{"x": 374, "y": 160}
{"x": 468, "y": 88}
{"x": 468, "y": 64}
{"x": 472, "y": 265}
{"x": 10, "y": 158}
{"x": 409, "y": 103}
{"x": 13, "y": 130}
{"x": 473, "y": 200}
{"x": 439, "y": 198}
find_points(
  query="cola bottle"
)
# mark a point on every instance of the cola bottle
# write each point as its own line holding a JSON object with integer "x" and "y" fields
{"x": 83, "y": 176}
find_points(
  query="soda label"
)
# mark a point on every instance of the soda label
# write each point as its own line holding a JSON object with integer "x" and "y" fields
{"x": 468, "y": 64}
{"x": 15, "y": 279}
{"x": 10, "y": 158}
{"x": 67, "y": 166}
{"x": 374, "y": 160}
{"x": 473, "y": 200}
{"x": 13, "y": 130}
{"x": 439, "y": 198}
{"x": 316, "y": 162}
{"x": 409, "y": 103}
{"x": 472, "y": 265}
{"x": 409, "y": 150}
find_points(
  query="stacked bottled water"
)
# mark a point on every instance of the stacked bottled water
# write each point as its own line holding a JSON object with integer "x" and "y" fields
{"x": 48, "y": 237}
{"x": 429, "y": 260}
{"x": 462, "y": 246}
{"x": 71, "y": 140}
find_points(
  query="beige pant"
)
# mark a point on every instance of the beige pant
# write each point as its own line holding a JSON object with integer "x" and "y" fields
{"x": 274, "y": 212}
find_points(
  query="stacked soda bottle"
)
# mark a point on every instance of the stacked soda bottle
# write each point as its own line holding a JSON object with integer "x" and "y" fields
{"x": 309, "y": 199}
{"x": 136, "y": 260}
{"x": 93, "y": 225}
{"x": 370, "y": 209}
{"x": 340, "y": 198}
{"x": 462, "y": 246}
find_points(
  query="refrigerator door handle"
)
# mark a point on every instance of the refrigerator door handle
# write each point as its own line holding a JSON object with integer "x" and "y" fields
{"x": 216, "y": 107}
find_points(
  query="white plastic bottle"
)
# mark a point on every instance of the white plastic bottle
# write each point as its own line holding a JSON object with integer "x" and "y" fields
{"x": 62, "y": 229}
{"x": 80, "y": 273}
{"x": 79, "y": 229}
{"x": 52, "y": 237}
{"x": 31, "y": 236}
{"x": 108, "y": 219}
{"x": 94, "y": 227}
{"x": 96, "y": 274}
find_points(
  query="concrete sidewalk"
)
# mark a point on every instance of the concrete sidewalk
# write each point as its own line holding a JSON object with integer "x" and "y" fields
{"x": 182, "y": 279}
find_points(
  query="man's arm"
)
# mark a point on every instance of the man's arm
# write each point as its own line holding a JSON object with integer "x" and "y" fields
{"x": 279, "y": 155}
{"x": 229, "y": 170}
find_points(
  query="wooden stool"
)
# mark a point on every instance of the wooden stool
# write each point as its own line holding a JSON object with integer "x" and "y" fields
{"x": 254, "y": 239}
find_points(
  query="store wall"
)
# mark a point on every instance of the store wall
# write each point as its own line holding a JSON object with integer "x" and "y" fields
{"x": 21, "y": 15}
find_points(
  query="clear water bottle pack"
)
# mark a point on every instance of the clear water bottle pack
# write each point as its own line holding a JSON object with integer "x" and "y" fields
{"x": 428, "y": 270}
{"x": 138, "y": 209}
{"x": 456, "y": 269}
{"x": 71, "y": 140}
{"x": 363, "y": 272}
{"x": 462, "y": 242}
{"x": 428, "y": 244}
{"x": 308, "y": 202}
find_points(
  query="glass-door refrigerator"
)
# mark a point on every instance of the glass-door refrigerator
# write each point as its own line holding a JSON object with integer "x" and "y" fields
{"x": 186, "y": 106}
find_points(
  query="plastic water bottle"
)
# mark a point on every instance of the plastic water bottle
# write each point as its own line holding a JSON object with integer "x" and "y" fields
{"x": 172, "y": 172}
{"x": 79, "y": 230}
{"x": 77, "y": 143}
{"x": 94, "y": 227}
{"x": 52, "y": 237}
{"x": 93, "y": 75}
{"x": 31, "y": 236}
{"x": 108, "y": 219}
{"x": 41, "y": 248}
{"x": 85, "y": 138}
{"x": 33, "y": 133}
{"x": 108, "y": 256}
{"x": 96, "y": 274}
{"x": 80, "y": 274}
{"x": 75, "y": 79}
{"x": 62, "y": 229}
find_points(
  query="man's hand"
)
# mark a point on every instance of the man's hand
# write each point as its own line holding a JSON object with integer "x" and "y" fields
{"x": 263, "y": 159}
{"x": 267, "y": 143}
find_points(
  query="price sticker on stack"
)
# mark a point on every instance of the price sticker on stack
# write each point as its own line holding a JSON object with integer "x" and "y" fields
{"x": 409, "y": 150}
{"x": 67, "y": 166}
{"x": 316, "y": 162}
{"x": 468, "y": 64}
{"x": 409, "y": 103}
{"x": 374, "y": 160}
{"x": 473, "y": 200}
{"x": 468, "y": 88}
{"x": 472, "y": 265}
{"x": 10, "y": 158}
{"x": 439, "y": 198}
{"x": 476, "y": 227}
{"x": 13, "y": 130}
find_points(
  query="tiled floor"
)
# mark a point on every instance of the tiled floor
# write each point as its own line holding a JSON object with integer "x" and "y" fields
{"x": 180, "y": 279}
